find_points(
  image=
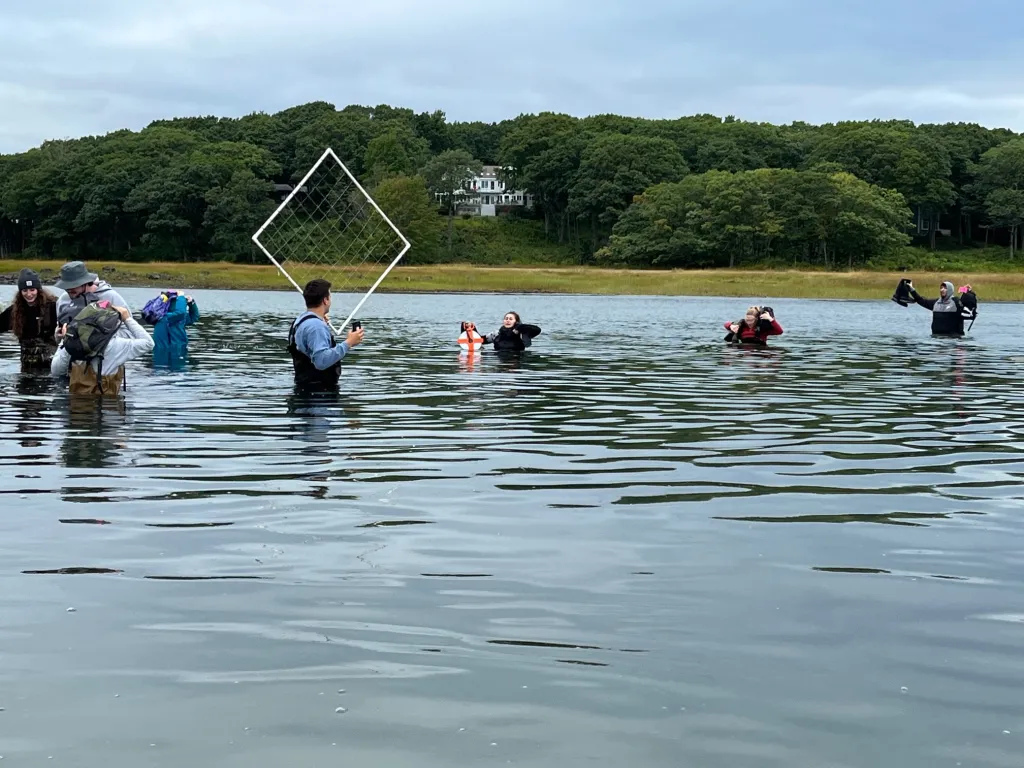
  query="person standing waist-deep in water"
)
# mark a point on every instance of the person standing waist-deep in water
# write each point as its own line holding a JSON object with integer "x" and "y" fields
{"x": 316, "y": 354}
{"x": 756, "y": 326}
{"x": 32, "y": 318}
{"x": 947, "y": 317}
{"x": 513, "y": 336}
{"x": 102, "y": 338}
{"x": 170, "y": 340}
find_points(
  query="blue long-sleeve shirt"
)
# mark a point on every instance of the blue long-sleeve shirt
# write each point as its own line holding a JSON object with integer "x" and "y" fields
{"x": 170, "y": 341}
{"x": 313, "y": 339}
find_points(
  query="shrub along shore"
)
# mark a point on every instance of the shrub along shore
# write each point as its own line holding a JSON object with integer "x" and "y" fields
{"x": 462, "y": 278}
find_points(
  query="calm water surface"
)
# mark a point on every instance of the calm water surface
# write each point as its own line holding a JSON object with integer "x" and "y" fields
{"x": 633, "y": 546}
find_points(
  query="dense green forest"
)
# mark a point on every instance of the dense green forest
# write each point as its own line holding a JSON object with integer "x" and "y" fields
{"x": 697, "y": 191}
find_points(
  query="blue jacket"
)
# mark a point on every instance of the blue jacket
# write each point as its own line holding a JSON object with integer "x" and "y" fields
{"x": 170, "y": 342}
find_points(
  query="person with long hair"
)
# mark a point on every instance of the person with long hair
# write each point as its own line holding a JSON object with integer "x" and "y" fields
{"x": 32, "y": 318}
{"x": 512, "y": 336}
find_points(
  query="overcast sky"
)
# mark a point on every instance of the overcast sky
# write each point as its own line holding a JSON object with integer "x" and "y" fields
{"x": 70, "y": 68}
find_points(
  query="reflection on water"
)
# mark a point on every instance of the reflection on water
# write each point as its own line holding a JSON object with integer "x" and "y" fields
{"x": 620, "y": 547}
{"x": 95, "y": 431}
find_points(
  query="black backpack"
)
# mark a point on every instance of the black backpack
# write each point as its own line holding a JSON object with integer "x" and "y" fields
{"x": 968, "y": 304}
{"x": 90, "y": 331}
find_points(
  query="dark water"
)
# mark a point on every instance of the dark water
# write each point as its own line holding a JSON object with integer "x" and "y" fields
{"x": 635, "y": 546}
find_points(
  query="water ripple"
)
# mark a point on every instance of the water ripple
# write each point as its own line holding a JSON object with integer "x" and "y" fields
{"x": 621, "y": 547}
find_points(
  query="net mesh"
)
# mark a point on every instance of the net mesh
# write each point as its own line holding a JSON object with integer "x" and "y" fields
{"x": 330, "y": 228}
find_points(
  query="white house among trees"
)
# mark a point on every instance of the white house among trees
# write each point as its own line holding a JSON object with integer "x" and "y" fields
{"x": 486, "y": 191}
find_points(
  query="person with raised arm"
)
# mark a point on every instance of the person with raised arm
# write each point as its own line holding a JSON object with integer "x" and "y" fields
{"x": 513, "y": 336}
{"x": 95, "y": 346}
{"x": 756, "y": 326}
{"x": 948, "y": 312}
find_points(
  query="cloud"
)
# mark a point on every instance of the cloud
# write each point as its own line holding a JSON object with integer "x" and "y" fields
{"x": 72, "y": 68}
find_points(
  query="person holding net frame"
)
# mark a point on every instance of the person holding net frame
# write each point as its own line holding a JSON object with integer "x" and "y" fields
{"x": 329, "y": 227}
{"x": 328, "y": 230}
{"x": 315, "y": 352}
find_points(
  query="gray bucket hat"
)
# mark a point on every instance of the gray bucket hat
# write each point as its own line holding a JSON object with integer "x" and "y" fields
{"x": 74, "y": 274}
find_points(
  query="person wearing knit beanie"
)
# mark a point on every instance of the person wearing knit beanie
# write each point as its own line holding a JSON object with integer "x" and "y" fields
{"x": 28, "y": 279}
{"x": 32, "y": 317}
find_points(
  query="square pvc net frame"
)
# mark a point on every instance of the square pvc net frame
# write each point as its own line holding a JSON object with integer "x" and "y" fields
{"x": 329, "y": 227}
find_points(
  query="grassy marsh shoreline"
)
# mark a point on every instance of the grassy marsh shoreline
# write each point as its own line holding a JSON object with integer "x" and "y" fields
{"x": 460, "y": 278}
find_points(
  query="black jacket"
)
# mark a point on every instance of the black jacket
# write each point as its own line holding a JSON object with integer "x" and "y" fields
{"x": 947, "y": 317}
{"x": 514, "y": 339}
{"x": 37, "y": 339}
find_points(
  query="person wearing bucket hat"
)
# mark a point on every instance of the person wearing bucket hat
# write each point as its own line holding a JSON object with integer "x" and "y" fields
{"x": 82, "y": 287}
{"x": 96, "y": 345}
{"x": 32, "y": 317}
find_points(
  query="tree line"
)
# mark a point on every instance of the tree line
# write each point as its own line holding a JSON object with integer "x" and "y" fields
{"x": 699, "y": 191}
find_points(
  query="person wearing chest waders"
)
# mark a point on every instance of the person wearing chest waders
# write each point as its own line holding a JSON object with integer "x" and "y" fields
{"x": 513, "y": 336}
{"x": 95, "y": 345}
{"x": 32, "y": 318}
{"x": 947, "y": 311}
{"x": 756, "y": 326}
{"x": 316, "y": 355}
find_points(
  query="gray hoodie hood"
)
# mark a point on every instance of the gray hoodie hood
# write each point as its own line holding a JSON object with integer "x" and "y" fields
{"x": 949, "y": 303}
